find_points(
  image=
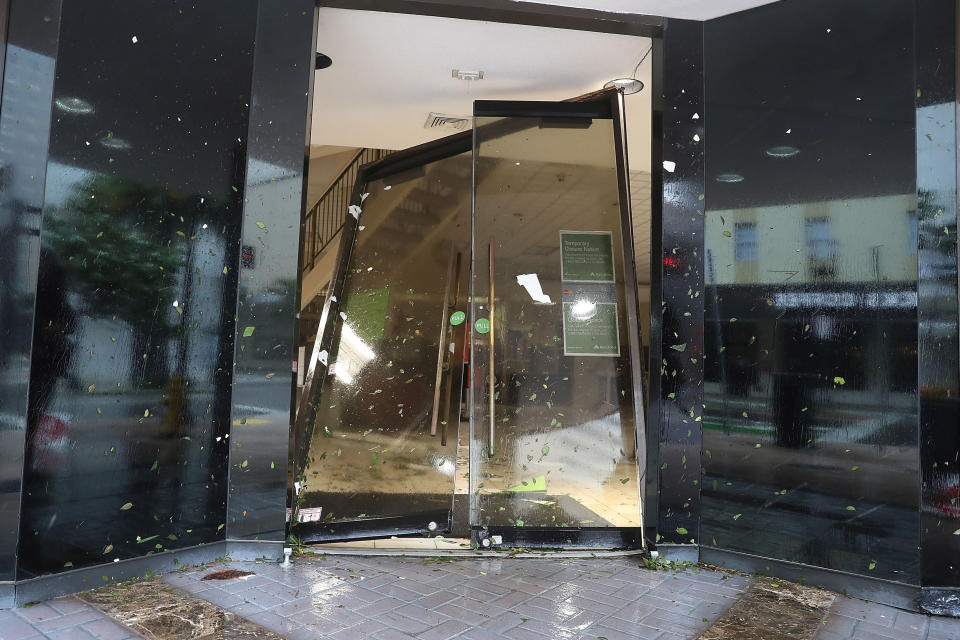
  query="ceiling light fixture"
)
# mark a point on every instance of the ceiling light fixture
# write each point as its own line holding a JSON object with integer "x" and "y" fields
{"x": 74, "y": 105}
{"x": 782, "y": 151}
{"x": 628, "y": 86}
{"x": 631, "y": 85}
{"x": 729, "y": 178}
{"x": 111, "y": 142}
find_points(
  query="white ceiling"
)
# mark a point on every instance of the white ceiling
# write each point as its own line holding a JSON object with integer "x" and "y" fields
{"x": 390, "y": 70}
{"x": 690, "y": 9}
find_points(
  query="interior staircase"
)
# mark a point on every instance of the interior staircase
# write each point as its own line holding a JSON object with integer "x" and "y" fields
{"x": 322, "y": 225}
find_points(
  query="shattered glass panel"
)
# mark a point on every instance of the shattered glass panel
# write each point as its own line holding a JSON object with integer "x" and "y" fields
{"x": 385, "y": 438}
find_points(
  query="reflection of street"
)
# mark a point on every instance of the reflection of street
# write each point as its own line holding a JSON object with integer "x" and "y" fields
{"x": 832, "y": 415}
{"x": 861, "y": 535}
{"x": 117, "y": 483}
{"x": 844, "y": 501}
{"x": 116, "y": 448}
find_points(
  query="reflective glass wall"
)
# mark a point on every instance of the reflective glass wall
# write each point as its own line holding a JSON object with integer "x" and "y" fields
{"x": 810, "y": 427}
{"x": 128, "y": 422}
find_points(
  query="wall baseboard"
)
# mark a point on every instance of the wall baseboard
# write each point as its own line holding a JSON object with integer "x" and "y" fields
{"x": 679, "y": 552}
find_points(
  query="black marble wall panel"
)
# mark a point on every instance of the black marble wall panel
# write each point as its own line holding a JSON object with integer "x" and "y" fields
{"x": 279, "y": 132}
{"x": 936, "y": 114}
{"x": 127, "y": 446}
{"x": 676, "y": 329}
{"x": 30, "y": 54}
{"x": 810, "y": 388}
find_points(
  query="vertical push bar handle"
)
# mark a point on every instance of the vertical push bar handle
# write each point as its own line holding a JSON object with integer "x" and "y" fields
{"x": 491, "y": 374}
{"x": 441, "y": 349}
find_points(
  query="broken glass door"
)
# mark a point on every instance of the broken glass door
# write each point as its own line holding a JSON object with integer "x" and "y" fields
{"x": 378, "y": 431}
{"x": 555, "y": 392}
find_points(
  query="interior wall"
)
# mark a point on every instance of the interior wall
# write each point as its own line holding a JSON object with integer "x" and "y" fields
{"x": 326, "y": 162}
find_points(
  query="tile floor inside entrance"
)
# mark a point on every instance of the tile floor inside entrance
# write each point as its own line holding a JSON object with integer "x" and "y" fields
{"x": 435, "y": 598}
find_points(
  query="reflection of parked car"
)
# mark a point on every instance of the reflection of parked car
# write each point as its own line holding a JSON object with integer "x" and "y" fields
{"x": 51, "y": 443}
{"x": 946, "y": 496}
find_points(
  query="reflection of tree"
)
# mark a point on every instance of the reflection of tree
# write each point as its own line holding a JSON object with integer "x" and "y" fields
{"x": 117, "y": 243}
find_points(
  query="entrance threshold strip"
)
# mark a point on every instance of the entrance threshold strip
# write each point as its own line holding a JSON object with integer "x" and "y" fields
{"x": 452, "y": 548}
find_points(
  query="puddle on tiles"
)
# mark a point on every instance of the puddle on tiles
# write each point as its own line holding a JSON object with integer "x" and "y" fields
{"x": 773, "y": 609}
{"x": 158, "y": 611}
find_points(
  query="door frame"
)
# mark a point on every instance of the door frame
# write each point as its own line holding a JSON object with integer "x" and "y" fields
{"x": 315, "y": 376}
{"x": 606, "y": 104}
{"x": 556, "y": 17}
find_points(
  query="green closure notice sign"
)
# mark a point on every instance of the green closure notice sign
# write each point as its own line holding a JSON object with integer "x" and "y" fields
{"x": 590, "y": 329}
{"x": 586, "y": 256}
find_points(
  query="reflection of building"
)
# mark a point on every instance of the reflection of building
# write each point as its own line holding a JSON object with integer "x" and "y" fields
{"x": 856, "y": 241}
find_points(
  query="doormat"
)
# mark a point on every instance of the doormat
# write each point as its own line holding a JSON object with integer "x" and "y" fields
{"x": 773, "y": 610}
{"x": 157, "y": 611}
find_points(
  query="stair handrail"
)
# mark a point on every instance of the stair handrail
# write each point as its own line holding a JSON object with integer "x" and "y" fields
{"x": 323, "y": 221}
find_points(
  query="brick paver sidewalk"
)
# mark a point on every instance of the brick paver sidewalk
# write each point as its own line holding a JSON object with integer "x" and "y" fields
{"x": 393, "y": 598}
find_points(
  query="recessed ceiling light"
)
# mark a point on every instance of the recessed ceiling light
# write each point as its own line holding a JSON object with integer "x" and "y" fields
{"x": 729, "y": 177}
{"x": 112, "y": 142}
{"x": 628, "y": 86}
{"x": 74, "y": 105}
{"x": 782, "y": 151}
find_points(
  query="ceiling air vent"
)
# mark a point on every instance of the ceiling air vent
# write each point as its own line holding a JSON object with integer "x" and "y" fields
{"x": 443, "y": 121}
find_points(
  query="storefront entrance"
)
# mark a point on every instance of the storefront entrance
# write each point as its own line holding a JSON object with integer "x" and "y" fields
{"x": 480, "y": 339}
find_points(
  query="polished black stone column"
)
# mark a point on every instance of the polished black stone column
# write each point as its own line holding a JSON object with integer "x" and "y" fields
{"x": 267, "y": 266}
{"x": 676, "y": 361}
{"x": 936, "y": 113}
{"x": 127, "y": 441}
{"x": 28, "y": 81}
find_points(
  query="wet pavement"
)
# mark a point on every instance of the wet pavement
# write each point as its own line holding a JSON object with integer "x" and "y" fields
{"x": 437, "y": 598}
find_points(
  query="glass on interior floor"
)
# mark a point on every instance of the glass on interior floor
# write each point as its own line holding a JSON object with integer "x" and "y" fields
{"x": 553, "y": 440}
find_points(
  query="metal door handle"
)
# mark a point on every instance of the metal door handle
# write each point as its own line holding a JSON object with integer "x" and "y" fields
{"x": 450, "y": 357}
{"x": 443, "y": 341}
{"x": 492, "y": 376}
